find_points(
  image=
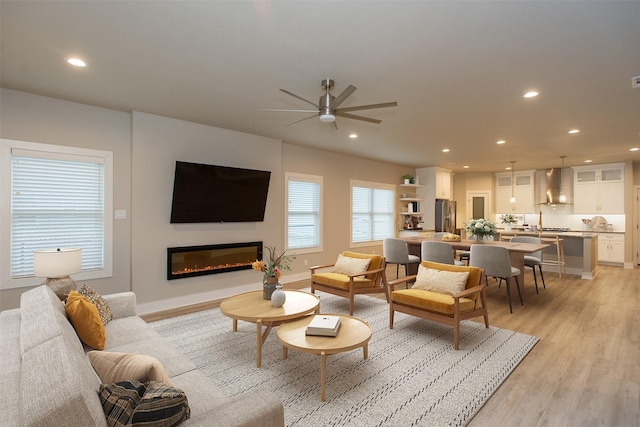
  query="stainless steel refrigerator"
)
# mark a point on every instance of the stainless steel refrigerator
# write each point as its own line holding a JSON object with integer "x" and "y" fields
{"x": 445, "y": 215}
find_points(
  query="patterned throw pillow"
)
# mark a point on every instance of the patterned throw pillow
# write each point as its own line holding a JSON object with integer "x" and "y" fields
{"x": 132, "y": 403}
{"x": 347, "y": 265}
{"x": 100, "y": 303}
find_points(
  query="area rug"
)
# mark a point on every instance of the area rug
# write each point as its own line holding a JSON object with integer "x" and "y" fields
{"x": 412, "y": 377}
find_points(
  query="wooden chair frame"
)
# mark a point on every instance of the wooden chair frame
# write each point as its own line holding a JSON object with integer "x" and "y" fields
{"x": 380, "y": 284}
{"x": 451, "y": 320}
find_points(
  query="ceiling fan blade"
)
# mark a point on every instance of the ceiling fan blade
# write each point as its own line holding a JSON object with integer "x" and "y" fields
{"x": 300, "y": 98}
{"x": 353, "y": 116}
{"x": 302, "y": 120}
{"x": 333, "y": 125}
{"x": 345, "y": 93}
{"x": 370, "y": 106}
{"x": 289, "y": 111}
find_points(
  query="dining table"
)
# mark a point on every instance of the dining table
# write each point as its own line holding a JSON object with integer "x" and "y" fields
{"x": 517, "y": 250}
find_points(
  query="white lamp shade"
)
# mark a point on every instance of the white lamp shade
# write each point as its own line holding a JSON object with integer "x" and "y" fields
{"x": 54, "y": 263}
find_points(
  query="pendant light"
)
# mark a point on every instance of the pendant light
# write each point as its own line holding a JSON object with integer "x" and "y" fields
{"x": 513, "y": 196}
{"x": 562, "y": 198}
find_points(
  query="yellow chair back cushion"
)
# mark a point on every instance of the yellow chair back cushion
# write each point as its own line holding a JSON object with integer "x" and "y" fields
{"x": 475, "y": 273}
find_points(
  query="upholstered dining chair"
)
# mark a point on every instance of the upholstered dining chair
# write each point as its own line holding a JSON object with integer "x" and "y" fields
{"x": 442, "y": 293}
{"x": 396, "y": 251}
{"x": 464, "y": 255}
{"x": 438, "y": 252}
{"x": 532, "y": 260}
{"x": 353, "y": 273}
{"x": 496, "y": 262}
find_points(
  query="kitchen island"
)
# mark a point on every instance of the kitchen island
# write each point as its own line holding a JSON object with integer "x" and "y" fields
{"x": 580, "y": 250}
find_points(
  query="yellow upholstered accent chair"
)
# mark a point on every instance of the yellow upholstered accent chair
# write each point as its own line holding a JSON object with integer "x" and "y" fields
{"x": 440, "y": 307}
{"x": 374, "y": 279}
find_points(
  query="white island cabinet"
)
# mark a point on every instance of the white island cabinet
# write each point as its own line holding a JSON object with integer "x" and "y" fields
{"x": 598, "y": 189}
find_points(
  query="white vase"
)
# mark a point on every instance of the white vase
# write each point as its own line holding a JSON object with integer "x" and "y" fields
{"x": 507, "y": 226}
{"x": 278, "y": 296}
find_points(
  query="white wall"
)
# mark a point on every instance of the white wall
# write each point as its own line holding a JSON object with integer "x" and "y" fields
{"x": 157, "y": 143}
{"x": 34, "y": 118}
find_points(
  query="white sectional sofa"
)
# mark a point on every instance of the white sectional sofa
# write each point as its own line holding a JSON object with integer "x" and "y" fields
{"x": 46, "y": 378}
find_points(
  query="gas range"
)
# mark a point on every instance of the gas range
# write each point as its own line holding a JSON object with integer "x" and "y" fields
{"x": 556, "y": 229}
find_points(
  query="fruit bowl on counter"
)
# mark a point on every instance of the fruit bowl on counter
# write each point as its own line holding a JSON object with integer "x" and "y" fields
{"x": 450, "y": 237}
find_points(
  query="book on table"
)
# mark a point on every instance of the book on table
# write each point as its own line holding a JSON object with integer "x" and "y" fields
{"x": 323, "y": 325}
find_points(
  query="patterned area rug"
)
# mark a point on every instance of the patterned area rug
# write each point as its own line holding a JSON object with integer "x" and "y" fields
{"x": 413, "y": 376}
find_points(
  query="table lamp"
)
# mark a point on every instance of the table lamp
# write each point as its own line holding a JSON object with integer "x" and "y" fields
{"x": 56, "y": 265}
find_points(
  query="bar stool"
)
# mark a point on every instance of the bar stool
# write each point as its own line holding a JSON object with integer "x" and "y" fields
{"x": 559, "y": 261}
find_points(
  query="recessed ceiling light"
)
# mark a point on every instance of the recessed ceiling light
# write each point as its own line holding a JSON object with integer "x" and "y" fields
{"x": 465, "y": 167}
{"x": 508, "y": 168}
{"x": 634, "y": 149}
{"x": 76, "y": 62}
{"x": 445, "y": 150}
{"x": 353, "y": 135}
{"x": 502, "y": 141}
{"x": 588, "y": 161}
{"x": 531, "y": 94}
{"x": 574, "y": 131}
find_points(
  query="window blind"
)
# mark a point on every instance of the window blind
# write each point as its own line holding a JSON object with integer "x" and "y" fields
{"x": 303, "y": 214}
{"x": 373, "y": 212}
{"x": 57, "y": 201}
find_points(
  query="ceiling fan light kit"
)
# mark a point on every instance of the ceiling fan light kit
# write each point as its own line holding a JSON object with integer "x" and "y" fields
{"x": 327, "y": 107}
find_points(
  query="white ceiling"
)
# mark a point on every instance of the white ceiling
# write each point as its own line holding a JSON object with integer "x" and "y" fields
{"x": 458, "y": 71}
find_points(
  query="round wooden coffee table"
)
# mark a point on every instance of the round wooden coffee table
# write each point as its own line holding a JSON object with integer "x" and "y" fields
{"x": 353, "y": 333}
{"x": 251, "y": 307}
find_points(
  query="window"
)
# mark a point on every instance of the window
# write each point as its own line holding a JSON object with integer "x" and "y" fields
{"x": 372, "y": 211}
{"x": 304, "y": 212}
{"x": 58, "y": 197}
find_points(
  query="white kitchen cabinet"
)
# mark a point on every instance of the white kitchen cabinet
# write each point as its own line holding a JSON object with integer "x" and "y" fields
{"x": 611, "y": 248}
{"x": 598, "y": 189}
{"x": 522, "y": 191}
{"x": 443, "y": 184}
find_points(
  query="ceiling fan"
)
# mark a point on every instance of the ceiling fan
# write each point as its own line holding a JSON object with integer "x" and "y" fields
{"x": 327, "y": 108}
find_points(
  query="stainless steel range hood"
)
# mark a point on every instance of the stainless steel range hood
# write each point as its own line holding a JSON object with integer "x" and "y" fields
{"x": 550, "y": 182}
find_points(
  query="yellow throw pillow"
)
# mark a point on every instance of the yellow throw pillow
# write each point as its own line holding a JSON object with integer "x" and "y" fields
{"x": 114, "y": 367}
{"x": 444, "y": 282}
{"x": 85, "y": 319}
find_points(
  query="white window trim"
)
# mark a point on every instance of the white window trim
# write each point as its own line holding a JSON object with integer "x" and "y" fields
{"x": 51, "y": 151}
{"x": 308, "y": 178}
{"x": 366, "y": 184}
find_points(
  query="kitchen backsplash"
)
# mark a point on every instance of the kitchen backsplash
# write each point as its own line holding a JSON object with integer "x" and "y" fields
{"x": 561, "y": 216}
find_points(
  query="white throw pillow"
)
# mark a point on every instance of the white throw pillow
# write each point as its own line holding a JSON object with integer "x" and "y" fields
{"x": 444, "y": 282}
{"x": 349, "y": 266}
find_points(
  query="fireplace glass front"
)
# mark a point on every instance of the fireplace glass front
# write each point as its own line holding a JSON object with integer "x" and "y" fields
{"x": 192, "y": 261}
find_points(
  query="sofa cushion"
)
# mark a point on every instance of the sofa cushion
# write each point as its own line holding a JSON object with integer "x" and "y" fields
{"x": 113, "y": 367}
{"x": 98, "y": 301}
{"x": 43, "y": 318}
{"x": 349, "y": 266}
{"x": 85, "y": 319}
{"x": 132, "y": 403}
{"x": 445, "y": 282}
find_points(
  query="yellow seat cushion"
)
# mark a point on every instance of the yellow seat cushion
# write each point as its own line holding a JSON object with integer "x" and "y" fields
{"x": 340, "y": 281}
{"x": 430, "y": 301}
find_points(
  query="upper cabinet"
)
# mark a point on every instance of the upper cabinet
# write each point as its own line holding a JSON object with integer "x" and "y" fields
{"x": 598, "y": 189}
{"x": 522, "y": 191}
{"x": 443, "y": 184}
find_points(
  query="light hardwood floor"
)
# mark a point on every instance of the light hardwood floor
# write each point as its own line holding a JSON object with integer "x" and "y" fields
{"x": 585, "y": 371}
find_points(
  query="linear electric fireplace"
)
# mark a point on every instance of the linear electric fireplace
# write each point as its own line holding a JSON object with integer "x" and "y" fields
{"x": 189, "y": 261}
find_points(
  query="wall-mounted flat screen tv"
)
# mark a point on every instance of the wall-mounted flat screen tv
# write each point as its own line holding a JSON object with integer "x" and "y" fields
{"x": 210, "y": 193}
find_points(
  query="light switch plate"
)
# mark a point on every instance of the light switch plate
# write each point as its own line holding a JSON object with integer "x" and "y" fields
{"x": 121, "y": 214}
